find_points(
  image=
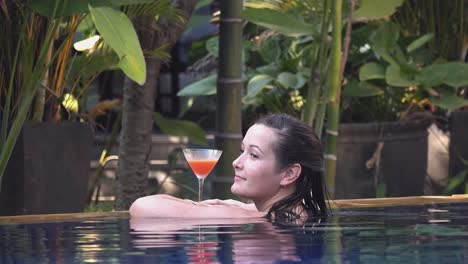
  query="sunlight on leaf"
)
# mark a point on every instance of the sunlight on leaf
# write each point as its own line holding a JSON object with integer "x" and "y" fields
{"x": 118, "y": 32}
{"x": 371, "y": 9}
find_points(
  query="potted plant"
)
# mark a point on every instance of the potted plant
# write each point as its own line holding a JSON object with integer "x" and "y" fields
{"x": 396, "y": 80}
{"x": 392, "y": 78}
{"x": 45, "y": 144}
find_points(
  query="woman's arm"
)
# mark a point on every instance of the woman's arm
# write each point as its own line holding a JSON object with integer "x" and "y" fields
{"x": 230, "y": 202}
{"x": 168, "y": 206}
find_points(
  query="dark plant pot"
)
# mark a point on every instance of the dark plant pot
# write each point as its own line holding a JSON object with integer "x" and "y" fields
{"x": 458, "y": 148}
{"x": 401, "y": 167}
{"x": 48, "y": 171}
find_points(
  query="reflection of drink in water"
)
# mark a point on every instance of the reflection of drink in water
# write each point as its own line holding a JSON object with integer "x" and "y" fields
{"x": 237, "y": 241}
{"x": 202, "y": 168}
{"x": 203, "y": 252}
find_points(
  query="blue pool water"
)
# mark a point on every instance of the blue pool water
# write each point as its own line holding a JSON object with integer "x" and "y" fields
{"x": 414, "y": 234}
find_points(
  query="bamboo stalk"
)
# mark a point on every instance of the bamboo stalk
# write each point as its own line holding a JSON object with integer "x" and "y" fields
{"x": 314, "y": 87}
{"x": 229, "y": 91}
{"x": 333, "y": 100}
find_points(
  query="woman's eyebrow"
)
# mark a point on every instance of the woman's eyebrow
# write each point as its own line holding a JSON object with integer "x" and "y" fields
{"x": 255, "y": 146}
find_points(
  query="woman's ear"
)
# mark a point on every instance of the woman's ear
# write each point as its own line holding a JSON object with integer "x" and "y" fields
{"x": 291, "y": 174}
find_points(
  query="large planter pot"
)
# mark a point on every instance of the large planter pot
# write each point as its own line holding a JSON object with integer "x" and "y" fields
{"x": 458, "y": 145}
{"x": 399, "y": 162}
{"x": 48, "y": 171}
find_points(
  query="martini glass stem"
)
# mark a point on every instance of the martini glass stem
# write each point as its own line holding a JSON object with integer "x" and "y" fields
{"x": 200, "y": 189}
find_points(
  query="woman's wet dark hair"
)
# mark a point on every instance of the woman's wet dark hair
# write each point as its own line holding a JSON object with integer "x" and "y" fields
{"x": 297, "y": 143}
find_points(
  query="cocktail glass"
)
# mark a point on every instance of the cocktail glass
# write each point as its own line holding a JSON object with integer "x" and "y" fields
{"x": 201, "y": 161}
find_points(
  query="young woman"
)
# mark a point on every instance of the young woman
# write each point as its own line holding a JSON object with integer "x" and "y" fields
{"x": 280, "y": 168}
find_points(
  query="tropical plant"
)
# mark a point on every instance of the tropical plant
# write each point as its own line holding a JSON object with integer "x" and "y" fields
{"x": 401, "y": 74}
{"x": 41, "y": 70}
{"x": 156, "y": 30}
{"x": 458, "y": 182}
{"x": 300, "y": 68}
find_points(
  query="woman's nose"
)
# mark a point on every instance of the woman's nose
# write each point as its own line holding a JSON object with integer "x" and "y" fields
{"x": 237, "y": 162}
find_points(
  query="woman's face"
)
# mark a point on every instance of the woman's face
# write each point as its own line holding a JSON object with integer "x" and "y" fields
{"x": 257, "y": 175}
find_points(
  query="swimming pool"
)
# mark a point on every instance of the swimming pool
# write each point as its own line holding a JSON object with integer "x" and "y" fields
{"x": 422, "y": 233}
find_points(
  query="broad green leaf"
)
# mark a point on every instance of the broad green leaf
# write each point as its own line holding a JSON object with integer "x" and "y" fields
{"x": 455, "y": 182}
{"x": 356, "y": 88}
{"x": 124, "y": 2}
{"x": 384, "y": 41}
{"x": 88, "y": 67}
{"x": 419, "y": 42}
{"x": 395, "y": 77}
{"x": 65, "y": 8}
{"x": 270, "y": 69}
{"x": 181, "y": 128}
{"x": 433, "y": 75}
{"x": 454, "y": 74}
{"x": 290, "y": 65}
{"x": 270, "y": 49}
{"x": 260, "y": 4}
{"x": 371, "y": 71}
{"x": 257, "y": 83}
{"x": 301, "y": 80}
{"x": 70, "y": 103}
{"x": 448, "y": 100}
{"x": 287, "y": 80}
{"x": 371, "y": 9}
{"x": 71, "y": 7}
{"x": 118, "y": 32}
{"x": 286, "y": 24}
{"x": 205, "y": 86}
{"x": 457, "y": 74}
{"x": 385, "y": 36}
{"x": 212, "y": 46}
{"x": 159, "y": 52}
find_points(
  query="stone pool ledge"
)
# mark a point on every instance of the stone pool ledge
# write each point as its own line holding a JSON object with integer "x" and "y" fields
{"x": 348, "y": 203}
{"x": 69, "y": 217}
{"x": 398, "y": 201}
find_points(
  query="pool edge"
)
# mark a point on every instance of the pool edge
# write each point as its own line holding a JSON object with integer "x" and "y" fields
{"x": 344, "y": 203}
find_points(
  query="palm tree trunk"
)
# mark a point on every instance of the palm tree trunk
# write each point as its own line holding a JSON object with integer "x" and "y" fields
{"x": 135, "y": 136}
{"x": 229, "y": 92}
{"x": 138, "y": 108}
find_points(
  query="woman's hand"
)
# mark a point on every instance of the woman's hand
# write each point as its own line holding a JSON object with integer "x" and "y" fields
{"x": 229, "y": 202}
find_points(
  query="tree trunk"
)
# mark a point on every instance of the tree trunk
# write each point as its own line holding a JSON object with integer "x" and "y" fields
{"x": 138, "y": 108}
{"x": 229, "y": 93}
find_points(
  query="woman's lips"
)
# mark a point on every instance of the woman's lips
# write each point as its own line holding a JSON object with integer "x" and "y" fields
{"x": 239, "y": 178}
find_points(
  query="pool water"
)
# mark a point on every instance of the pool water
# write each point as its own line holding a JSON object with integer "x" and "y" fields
{"x": 435, "y": 233}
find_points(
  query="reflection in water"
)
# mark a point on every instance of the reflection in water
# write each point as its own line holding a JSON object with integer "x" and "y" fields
{"x": 217, "y": 240}
{"x": 417, "y": 234}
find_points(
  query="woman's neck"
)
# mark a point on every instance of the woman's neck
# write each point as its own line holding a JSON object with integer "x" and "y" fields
{"x": 263, "y": 205}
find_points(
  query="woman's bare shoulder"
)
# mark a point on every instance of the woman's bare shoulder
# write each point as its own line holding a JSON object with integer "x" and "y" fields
{"x": 169, "y": 206}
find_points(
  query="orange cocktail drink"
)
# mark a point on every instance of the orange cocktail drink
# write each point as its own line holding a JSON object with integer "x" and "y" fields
{"x": 201, "y": 161}
{"x": 202, "y": 168}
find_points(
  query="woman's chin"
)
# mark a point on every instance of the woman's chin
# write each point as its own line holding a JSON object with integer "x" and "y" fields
{"x": 235, "y": 189}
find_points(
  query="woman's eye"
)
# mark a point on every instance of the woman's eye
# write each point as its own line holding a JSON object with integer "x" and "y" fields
{"x": 253, "y": 155}
{"x": 241, "y": 151}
